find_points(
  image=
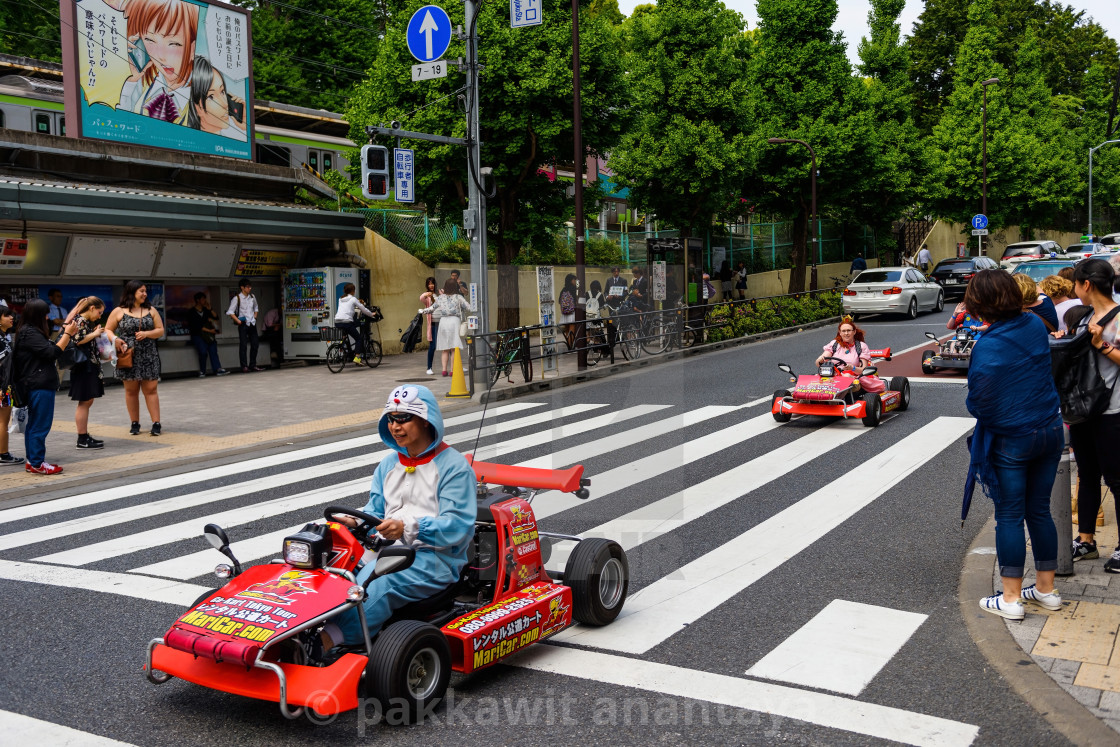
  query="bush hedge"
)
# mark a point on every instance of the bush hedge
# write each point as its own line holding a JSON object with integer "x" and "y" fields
{"x": 728, "y": 321}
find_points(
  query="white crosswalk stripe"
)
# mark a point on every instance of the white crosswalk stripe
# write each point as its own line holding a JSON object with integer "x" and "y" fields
{"x": 754, "y": 450}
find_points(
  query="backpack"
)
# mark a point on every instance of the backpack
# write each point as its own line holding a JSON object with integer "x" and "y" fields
{"x": 592, "y": 308}
{"x": 1075, "y": 364}
{"x": 567, "y": 303}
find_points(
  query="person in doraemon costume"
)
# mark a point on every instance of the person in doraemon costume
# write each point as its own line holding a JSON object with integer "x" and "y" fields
{"x": 425, "y": 494}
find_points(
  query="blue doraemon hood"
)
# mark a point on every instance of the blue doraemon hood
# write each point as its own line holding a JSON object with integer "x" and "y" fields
{"x": 414, "y": 399}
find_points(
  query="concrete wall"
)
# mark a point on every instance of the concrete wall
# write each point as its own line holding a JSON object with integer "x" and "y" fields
{"x": 398, "y": 280}
{"x": 943, "y": 237}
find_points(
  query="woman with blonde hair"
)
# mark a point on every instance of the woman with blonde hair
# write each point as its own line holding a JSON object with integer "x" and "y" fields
{"x": 86, "y": 383}
{"x": 1037, "y": 303}
{"x": 1060, "y": 291}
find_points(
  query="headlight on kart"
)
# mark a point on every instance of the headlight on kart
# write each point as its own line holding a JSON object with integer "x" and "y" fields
{"x": 223, "y": 571}
{"x": 355, "y": 593}
{"x": 309, "y": 548}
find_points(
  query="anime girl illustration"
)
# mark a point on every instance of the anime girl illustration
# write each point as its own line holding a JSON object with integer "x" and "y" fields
{"x": 161, "y": 45}
{"x": 212, "y": 109}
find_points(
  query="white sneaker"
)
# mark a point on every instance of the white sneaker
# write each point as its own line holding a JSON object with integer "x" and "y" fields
{"x": 998, "y": 606}
{"x": 429, "y": 372}
{"x": 1051, "y": 601}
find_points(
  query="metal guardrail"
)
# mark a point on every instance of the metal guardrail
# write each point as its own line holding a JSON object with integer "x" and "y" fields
{"x": 631, "y": 333}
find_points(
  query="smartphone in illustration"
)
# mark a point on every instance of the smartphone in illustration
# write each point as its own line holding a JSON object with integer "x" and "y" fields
{"x": 138, "y": 53}
{"x": 236, "y": 108}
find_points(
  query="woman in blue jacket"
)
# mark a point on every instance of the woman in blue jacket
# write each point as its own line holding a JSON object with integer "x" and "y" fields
{"x": 1018, "y": 439}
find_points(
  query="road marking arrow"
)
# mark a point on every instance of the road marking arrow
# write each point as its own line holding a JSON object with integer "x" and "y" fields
{"x": 427, "y": 27}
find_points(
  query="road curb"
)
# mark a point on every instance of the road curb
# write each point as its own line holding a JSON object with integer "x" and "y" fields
{"x": 604, "y": 370}
{"x": 1018, "y": 669}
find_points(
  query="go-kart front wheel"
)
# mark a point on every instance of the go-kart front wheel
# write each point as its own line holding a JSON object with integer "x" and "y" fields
{"x": 901, "y": 385}
{"x": 408, "y": 669}
{"x": 599, "y": 577}
{"x": 927, "y": 367}
{"x": 781, "y": 417}
{"x": 874, "y": 409}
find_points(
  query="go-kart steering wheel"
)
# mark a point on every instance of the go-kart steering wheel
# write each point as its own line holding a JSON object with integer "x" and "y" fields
{"x": 361, "y": 532}
{"x": 834, "y": 359}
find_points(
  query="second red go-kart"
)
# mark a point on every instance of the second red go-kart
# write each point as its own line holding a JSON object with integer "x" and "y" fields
{"x": 252, "y": 636}
{"x": 833, "y": 391}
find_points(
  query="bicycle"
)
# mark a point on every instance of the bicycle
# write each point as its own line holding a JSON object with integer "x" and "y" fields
{"x": 340, "y": 351}
{"x": 512, "y": 347}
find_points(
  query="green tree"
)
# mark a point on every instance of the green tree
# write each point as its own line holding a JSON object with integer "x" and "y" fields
{"x": 802, "y": 88}
{"x": 30, "y": 30}
{"x": 1031, "y": 178}
{"x": 526, "y": 121}
{"x": 313, "y": 53}
{"x": 1099, "y": 82}
{"x": 682, "y": 156}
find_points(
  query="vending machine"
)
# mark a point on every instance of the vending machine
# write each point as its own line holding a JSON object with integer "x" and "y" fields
{"x": 310, "y": 301}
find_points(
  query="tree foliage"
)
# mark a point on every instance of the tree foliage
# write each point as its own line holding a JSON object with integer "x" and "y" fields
{"x": 30, "y": 30}
{"x": 526, "y": 122}
{"x": 682, "y": 156}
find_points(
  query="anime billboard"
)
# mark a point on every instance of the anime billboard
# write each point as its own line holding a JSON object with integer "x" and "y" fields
{"x": 166, "y": 73}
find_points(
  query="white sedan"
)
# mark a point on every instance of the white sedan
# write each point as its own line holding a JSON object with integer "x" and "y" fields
{"x": 892, "y": 290}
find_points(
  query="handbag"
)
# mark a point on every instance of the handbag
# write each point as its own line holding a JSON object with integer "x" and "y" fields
{"x": 69, "y": 358}
{"x": 124, "y": 360}
{"x": 463, "y": 329}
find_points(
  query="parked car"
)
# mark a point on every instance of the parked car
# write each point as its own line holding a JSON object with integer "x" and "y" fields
{"x": 1027, "y": 250}
{"x": 1084, "y": 251}
{"x": 892, "y": 290}
{"x": 953, "y": 274}
{"x": 1037, "y": 269}
{"x": 1112, "y": 239}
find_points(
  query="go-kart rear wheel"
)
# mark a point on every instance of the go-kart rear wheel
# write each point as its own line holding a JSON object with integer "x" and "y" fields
{"x": 901, "y": 385}
{"x": 599, "y": 577}
{"x": 927, "y": 367}
{"x": 781, "y": 417}
{"x": 408, "y": 669}
{"x": 874, "y": 409}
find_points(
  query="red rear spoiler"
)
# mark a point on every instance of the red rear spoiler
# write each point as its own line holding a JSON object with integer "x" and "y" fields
{"x": 564, "y": 480}
{"x": 884, "y": 354}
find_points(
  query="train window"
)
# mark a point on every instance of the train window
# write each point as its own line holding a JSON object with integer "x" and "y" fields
{"x": 328, "y": 161}
{"x": 2, "y": 118}
{"x": 273, "y": 155}
{"x": 313, "y": 159}
{"x": 43, "y": 124}
{"x": 62, "y": 126}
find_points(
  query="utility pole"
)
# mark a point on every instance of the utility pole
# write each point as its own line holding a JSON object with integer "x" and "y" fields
{"x": 984, "y": 144}
{"x": 474, "y": 217}
{"x": 581, "y": 312}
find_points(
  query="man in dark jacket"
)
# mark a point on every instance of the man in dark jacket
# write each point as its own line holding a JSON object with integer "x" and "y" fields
{"x": 859, "y": 264}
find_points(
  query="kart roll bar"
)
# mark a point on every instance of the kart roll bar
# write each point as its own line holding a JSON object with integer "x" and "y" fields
{"x": 565, "y": 480}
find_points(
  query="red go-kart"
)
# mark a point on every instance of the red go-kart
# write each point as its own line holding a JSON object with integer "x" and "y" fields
{"x": 252, "y": 637}
{"x": 834, "y": 391}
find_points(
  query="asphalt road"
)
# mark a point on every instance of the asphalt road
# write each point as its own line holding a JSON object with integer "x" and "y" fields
{"x": 740, "y": 534}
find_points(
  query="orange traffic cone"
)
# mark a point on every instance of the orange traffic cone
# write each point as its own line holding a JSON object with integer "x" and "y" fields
{"x": 458, "y": 383}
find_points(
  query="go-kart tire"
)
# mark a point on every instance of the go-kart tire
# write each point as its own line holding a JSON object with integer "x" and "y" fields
{"x": 874, "y": 409}
{"x": 912, "y": 309}
{"x": 408, "y": 669}
{"x": 599, "y": 576}
{"x": 902, "y": 385}
{"x": 781, "y": 417}
{"x": 927, "y": 367}
{"x": 940, "y": 302}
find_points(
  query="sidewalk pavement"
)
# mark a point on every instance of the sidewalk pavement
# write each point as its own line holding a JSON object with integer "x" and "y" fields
{"x": 1077, "y": 647}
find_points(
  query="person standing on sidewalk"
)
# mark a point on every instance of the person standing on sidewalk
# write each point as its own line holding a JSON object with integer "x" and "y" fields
{"x": 7, "y": 321}
{"x": 137, "y": 326}
{"x": 201, "y": 321}
{"x": 56, "y": 314}
{"x": 243, "y": 311}
{"x": 1017, "y": 442}
{"x": 1094, "y": 440}
{"x": 427, "y": 298}
{"x": 448, "y": 310}
{"x": 36, "y": 380}
{"x": 925, "y": 259}
{"x": 86, "y": 384}
{"x": 273, "y": 334}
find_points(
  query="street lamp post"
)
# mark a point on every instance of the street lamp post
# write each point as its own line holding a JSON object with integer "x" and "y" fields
{"x": 577, "y": 132}
{"x": 813, "y": 192}
{"x": 1091, "y": 152}
{"x": 984, "y": 138}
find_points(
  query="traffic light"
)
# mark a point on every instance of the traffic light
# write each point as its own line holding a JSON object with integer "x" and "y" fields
{"x": 375, "y": 172}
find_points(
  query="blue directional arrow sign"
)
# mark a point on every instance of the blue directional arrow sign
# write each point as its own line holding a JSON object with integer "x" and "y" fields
{"x": 429, "y": 33}
{"x": 979, "y": 221}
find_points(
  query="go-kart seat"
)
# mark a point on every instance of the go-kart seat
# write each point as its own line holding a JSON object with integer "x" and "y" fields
{"x": 423, "y": 609}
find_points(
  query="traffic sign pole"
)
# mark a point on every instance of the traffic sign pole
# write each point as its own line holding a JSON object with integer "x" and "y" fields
{"x": 475, "y": 197}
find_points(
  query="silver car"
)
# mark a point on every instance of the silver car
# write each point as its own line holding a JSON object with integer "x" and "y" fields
{"x": 892, "y": 290}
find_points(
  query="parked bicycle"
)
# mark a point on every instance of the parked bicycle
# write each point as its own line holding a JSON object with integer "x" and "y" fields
{"x": 512, "y": 347}
{"x": 340, "y": 351}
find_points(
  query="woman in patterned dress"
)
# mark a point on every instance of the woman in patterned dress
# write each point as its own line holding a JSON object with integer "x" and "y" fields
{"x": 137, "y": 325}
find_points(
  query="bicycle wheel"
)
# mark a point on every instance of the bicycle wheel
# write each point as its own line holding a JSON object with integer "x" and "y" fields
{"x": 373, "y": 354}
{"x": 336, "y": 357}
{"x": 630, "y": 342}
{"x": 656, "y": 339}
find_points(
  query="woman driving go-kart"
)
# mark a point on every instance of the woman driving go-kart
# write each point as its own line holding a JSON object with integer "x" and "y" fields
{"x": 849, "y": 350}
